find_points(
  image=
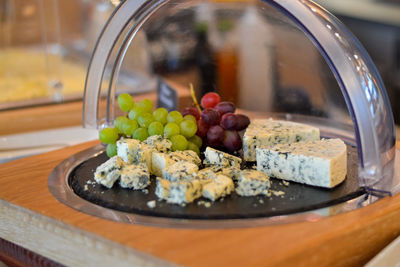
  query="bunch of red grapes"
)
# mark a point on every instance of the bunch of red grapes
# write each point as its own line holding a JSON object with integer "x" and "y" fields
{"x": 217, "y": 123}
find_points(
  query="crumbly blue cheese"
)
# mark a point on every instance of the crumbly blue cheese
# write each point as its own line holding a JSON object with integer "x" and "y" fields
{"x": 214, "y": 170}
{"x": 135, "y": 176}
{"x": 187, "y": 155}
{"x": 252, "y": 183}
{"x": 320, "y": 163}
{"x": 109, "y": 172}
{"x": 180, "y": 192}
{"x": 219, "y": 158}
{"x": 268, "y": 133}
{"x": 219, "y": 187}
{"x": 159, "y": 161}
{"x": 144, "y": 154}
{"x": 127, "y": 149}
{"x": 180, "y": 171}
{"x": 161, "y": 144}
{"x": 206, "y": 175}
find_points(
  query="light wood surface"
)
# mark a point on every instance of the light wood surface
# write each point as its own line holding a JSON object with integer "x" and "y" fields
{"x": 31, "y": 217}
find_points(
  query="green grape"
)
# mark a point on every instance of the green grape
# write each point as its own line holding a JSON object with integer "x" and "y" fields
{"x": 129, "y": 127}
{"x": 135, "y": 112}
{"x": 145, "y": 119}
{"x": 179, "y": 142}
{"x": 125, "y": 102}
{"x": 188, "y": 128}
{"x": 171, "y": 129}
{"x": 174, "y": 116}
{"x": 111, "y": 150}
{"x": 190, "y": 117}
{"x": 196, "y": 140}
{"x": 140, "y": 134}
{"x": 147, "y": 104}
{"x": 155, "y": 128}
{"x": 193, "y": 147}
{"x": 108, "y": 135}
{"x": 160, "y": 115}
{"x": 119, "y": 121}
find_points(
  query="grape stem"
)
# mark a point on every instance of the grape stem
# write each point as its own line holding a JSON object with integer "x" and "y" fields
{"x": 194, "y": 97}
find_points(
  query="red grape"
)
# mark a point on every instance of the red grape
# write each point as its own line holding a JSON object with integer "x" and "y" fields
{"x": 232, "y": 141}
{"x": 225, "y": 107}
{"x": 210, "y": 116}
{"x": 210, "y": 100}
{"x": 242, "y": 122}
{"x": 202, "y": 128}
{"x": 229, "y": 121}
{"x": 215, "y": 136}
{"x": 191, "y": 111}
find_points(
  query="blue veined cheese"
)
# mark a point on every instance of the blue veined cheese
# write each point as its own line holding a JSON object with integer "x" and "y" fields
{"x": 252, "y": 183}
{"x": 268, "y": 133}
{"x": 159, "y": 161}
{"x": 320, "y": 163}
{"x": 135, "y": 176}
{"x": 180, "y": 192}
{"x": 219, "y": 187}
{"x": 144, "y": 154}
{"x": 180, "y": 171}
{"x": 219, "y": 158}
{"x": 214, "y": 170}
{"x": 127, "y": 149}
{"x": 107, "y": 173}
{"x": 206, "y": 175}
{"x": 161, "y": 144}
{"x": 187, "y": 155}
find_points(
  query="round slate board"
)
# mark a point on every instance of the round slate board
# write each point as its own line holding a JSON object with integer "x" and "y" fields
{"x": 296, "y": 198}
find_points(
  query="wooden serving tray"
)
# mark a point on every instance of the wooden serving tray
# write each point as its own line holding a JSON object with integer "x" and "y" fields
{"x": 32, "y": 218}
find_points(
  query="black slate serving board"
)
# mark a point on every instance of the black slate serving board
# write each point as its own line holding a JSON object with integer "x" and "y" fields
{"x": 297, "y": 197}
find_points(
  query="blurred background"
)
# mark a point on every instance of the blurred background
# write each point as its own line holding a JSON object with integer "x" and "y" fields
{"x": 45, "y": 47}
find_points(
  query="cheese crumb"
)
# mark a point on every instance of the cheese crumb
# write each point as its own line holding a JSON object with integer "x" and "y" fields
{"x": 151, "y": 204}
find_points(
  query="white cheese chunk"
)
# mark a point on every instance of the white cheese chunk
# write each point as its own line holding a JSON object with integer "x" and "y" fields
{"x": 268, "y": 133}
{"x": 179, "y": 171}
{"x": 221, "y": 186}
{"x": 107, "y": 173}
{"x": 252, "y": 183}
{"x": 180, "y": 192}
{"x": 320, "y": 163}
{"x": 127, "y": 149}
{"x": 159, "y": 161}
{"x": 161, "y": 144}
{"x": 219, "y": 158}
{"x": 135, "y": 176}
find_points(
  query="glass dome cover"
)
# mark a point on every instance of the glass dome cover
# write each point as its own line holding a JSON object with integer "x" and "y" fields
{"x": 369, "y": 124}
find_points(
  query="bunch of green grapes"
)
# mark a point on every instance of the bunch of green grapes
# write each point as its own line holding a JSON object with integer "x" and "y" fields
{"x": 141, "y": 121}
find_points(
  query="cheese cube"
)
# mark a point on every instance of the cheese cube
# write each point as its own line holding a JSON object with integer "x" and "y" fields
{"x": 219, "y": 158}
{"x": 252, "y": 183}
{"x": 127, "y": 149}
{"x": 144, "y": 154}
{"x": 268, "y": 133}
{"x": 180, "y": 192}
{"x": 206, "y": 175}
{"x": 159, "y": 161}
{"x": 187, "y": 155}
{"x": 135, "y": 176}
{"x": 179, "y": 171}
{"x": 320, "y": 163}
{"x": 107, "y": 173}
{"x": 219, "y": 187}
{"x": 161, "y": 144}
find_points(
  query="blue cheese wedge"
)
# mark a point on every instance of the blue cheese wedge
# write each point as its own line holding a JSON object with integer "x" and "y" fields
{"x": 187, "y": 155}
{"x": 320, "y": 163}
{"x": 161, "y": 144}
{"x": 268, "y": 133}
{"x": 180, "y": 171}
{"x": 180, "y": 192}
{"x": 219, "y": 158}
{"x": 127, "y": 149}
{"x": 144, "y": 154}
{"x": 219, "y": 187}
{"x": 135, "y": 176}
{"x": 160, "y": 161}
{"x": 109, "y": 172}
{"x": 252, "y": 183}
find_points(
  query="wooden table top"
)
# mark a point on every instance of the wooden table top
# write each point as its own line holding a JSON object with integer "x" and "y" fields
{"x": 31, "y": 217}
